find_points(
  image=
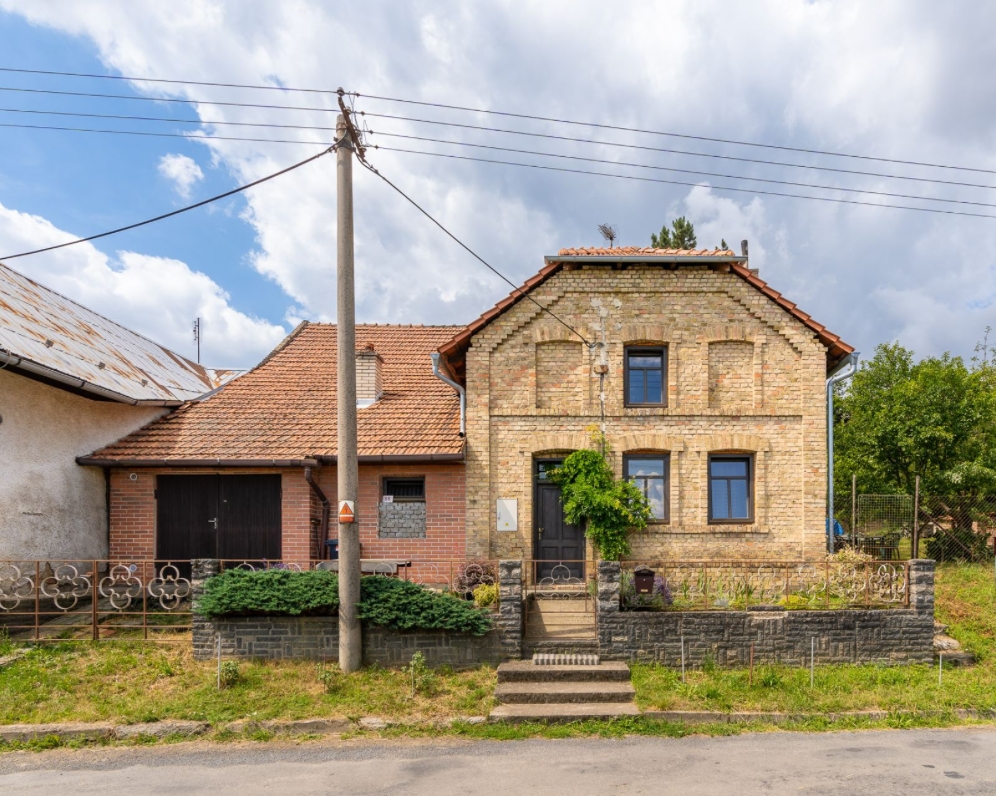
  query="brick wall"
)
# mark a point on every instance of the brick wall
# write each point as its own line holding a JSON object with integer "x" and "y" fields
{"x": 731, "y": 375}
{"x": 445, "y": 534}
{"x": 760, "y": 353}
{"x": 133, "y": 510}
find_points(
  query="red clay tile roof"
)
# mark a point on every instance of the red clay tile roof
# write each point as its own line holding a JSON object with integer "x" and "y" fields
{"x": 637, "y": 251}
{"x": 455, "y": 348}
{"x": 284, "y": 410}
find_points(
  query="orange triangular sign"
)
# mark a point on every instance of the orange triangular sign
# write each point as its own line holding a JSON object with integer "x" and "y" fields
{"x": 346, "y": 511}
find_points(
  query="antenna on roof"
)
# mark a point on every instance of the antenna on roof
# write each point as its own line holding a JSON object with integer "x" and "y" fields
{"x": 197, "y": 338}
{"x": 608, "y": 232}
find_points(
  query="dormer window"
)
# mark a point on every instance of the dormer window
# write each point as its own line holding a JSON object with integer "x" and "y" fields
{"x": 645, "y": 375}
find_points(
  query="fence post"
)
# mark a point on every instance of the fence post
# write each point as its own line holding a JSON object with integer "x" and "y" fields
{"x": 202, "y": 629}
{"x": 607, "y": 603}
{"x": 916, "y": 520}
{"x": 920, "y": 586}
{"x": 854, "y": 510}
{"x": 510, "y": 607}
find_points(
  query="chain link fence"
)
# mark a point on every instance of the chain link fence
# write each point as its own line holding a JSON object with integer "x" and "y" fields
{"x": 888, "y": 527}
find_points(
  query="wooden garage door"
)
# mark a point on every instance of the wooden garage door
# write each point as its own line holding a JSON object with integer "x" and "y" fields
{"x": 218, "y": 516}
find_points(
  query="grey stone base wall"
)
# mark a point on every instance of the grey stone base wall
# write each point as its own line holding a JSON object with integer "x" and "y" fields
{"x": 725, "y": 637}
{"x": 888, "y": 635}
{"x": 404, "y": 520}
{"x": 317, "y": 638}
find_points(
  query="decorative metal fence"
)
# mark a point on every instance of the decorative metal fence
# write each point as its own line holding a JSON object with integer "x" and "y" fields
{"x": 745, "y": 585}
{"x": 77, "y": 600}
{"x": 458, "y": 576}
{"x": 104, "y": 600}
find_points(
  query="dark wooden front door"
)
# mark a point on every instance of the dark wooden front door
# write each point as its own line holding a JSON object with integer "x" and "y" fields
{"x": 218, "y": 516}
{"x": 556, "y": 543}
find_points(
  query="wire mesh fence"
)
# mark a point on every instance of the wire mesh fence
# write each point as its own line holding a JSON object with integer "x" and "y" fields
{"x": 890, "y": 527}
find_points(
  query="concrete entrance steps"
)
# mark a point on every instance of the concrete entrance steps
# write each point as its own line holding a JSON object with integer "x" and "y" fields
{"x": 557, "y": 618}
{"x": 530, "y": 692}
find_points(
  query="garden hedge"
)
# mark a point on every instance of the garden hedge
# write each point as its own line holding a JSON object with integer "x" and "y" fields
{"x": 386, "y": 602}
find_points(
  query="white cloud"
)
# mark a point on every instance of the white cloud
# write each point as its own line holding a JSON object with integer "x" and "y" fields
{"x": 182, "y": 171}
{"x": 155, "y": 296}
{"x": 902, "y": 79}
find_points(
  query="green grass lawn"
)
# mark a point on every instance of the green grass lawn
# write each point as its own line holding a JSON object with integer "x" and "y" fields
{"x": 966, "y": 601}
{"x": 135, "y": 682}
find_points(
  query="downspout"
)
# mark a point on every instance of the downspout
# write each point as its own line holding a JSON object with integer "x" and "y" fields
{"x": 844, "y": 370}
{"x": 463, "y": 393}
{"x": 323, "y": 532}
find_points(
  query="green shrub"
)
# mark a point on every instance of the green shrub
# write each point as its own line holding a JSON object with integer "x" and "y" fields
{"x": 331, "y": 677}
{"x": 387, "y": 602}
{"x": 403, "y": 605}
{"x": 229, "y": 674}
{"x": 486, "y": 594}
{"x": 273, "y": 592}
{"x": 424, "y": 680}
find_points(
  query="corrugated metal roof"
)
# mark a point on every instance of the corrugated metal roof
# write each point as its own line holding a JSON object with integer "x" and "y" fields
{"x": 54, "y": 334}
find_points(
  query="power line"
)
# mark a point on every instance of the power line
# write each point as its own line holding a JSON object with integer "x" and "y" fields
{"x": 152, "y": 134}
{"x": 683, "y": 171}
{"x": 679, "y": 182}
{"x": 164, "y": 80}
{"x": 621, "y": 128}
{"x": 645, "y": 148}
{"x": 95, "y": 95}
{"x": 573, "y": 139}
{"x": 443, "y": 141}
{"x": 128, "y": 117}
{"x": 475, "y": 255}
{"x": 174, "y": 212}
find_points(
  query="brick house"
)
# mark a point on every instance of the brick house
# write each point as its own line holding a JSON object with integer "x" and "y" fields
{"x": 710, "y": 387}
{"x": 248, "y": 472}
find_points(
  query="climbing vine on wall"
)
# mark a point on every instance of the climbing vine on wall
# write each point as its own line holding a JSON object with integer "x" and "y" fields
{"x": 609, "y": 508}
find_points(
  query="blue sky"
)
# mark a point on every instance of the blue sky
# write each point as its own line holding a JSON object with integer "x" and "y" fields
{"x": 87, "y": 183}
{"x": 896, "y": 79}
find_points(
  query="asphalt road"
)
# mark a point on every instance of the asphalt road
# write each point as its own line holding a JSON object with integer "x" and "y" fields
{"x": 874, "y": 763}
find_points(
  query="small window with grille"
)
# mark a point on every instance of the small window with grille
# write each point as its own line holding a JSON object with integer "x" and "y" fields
{"x": 403, "y": 490}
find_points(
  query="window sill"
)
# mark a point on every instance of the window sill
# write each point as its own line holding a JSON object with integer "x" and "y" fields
{"x": 719, "y": 528}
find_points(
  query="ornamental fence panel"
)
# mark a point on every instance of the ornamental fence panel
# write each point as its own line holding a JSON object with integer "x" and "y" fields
{"x": 53, "y": 601}
{"x": 759, "y": 585}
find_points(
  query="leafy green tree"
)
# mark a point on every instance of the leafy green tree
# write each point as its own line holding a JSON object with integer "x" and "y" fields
{"x": 936, "y": 418}
{"x": 681, "y": 235}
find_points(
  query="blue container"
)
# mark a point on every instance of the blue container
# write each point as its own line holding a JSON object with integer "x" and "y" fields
{"x": 333, "y": 546}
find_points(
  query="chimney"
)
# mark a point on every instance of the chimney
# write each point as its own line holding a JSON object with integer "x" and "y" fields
{"x": 743, "y": 252}
{"x": 369, "y": 384}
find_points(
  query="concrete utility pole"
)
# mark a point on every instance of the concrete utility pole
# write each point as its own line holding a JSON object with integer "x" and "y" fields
{"x": 350, "y": 639}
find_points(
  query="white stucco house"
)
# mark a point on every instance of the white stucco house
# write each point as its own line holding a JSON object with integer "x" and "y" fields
{"x": 70, "y": 382}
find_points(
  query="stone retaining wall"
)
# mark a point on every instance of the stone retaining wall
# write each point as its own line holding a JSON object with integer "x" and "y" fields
{"x": 317, "y": 637}
{"x": 889, "y": 635}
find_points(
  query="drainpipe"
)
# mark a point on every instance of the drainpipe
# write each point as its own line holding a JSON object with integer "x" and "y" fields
{"x": 844, "y": 370}
{"x": 323, "y": 533}
{"x": 463, "y": 393}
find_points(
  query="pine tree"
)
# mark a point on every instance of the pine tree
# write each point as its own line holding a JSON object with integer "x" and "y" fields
{"x": 681, "y": 235}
